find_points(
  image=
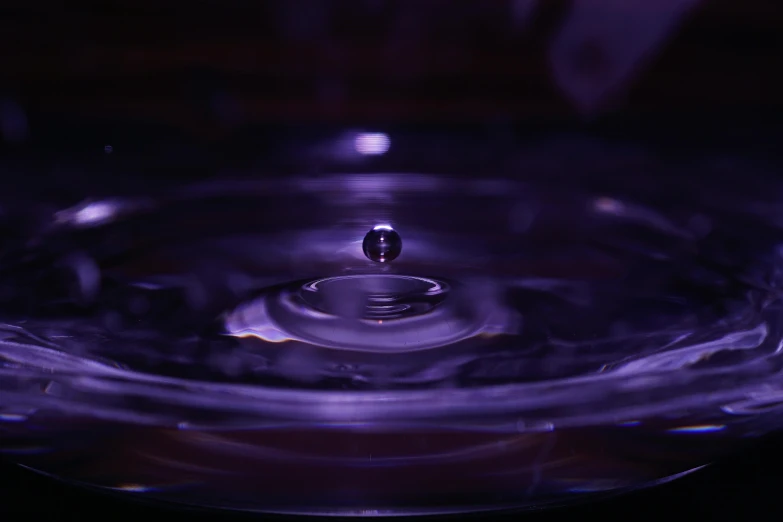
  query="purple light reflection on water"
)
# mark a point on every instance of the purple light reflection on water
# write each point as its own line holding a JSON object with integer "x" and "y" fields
{"x": 223, "y": 361}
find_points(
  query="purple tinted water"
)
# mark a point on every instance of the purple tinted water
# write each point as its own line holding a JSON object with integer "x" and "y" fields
{"x": 228, "y": 343}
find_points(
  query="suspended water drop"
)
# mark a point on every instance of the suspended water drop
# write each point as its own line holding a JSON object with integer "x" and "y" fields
{"x": 382, "y": 244}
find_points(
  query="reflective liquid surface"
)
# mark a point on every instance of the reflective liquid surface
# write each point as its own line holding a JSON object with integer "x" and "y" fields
{"x": 244, "y": 342}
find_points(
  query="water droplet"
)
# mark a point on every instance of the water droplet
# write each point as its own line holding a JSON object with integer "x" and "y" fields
{"x": 108, "y": 149}
{"x": 382, "y": 244}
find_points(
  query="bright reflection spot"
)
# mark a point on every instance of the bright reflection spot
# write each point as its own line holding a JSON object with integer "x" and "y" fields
{"x": 95, "y": 214}
{"x": 608, "y": 206}
{"x": 382, "y": 227}
{"x": 270, "y": 335}
{"x": 12, "y": 417}
{"x": 134, "y": 488}
{"x": 372, "y": 143}
{"x": 706, "y": 428}
{"x": 670, "y": 478}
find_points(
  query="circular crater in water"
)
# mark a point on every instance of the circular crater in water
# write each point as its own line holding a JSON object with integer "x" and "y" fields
{"x": 364, "y": 312}
{"x": 374, "y": 297}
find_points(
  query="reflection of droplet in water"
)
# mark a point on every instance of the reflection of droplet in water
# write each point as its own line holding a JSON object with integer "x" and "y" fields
{"x": 382, "y": 244}
{"x": 108, "y": 149}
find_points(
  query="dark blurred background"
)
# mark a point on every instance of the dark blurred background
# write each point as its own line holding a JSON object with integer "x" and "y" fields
{"x": 188, "y": 89}
{"x": 210, "y": 67}
{"x": 111, "y": 91}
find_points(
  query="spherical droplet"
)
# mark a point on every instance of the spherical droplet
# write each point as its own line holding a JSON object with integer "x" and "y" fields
{"x": 382, "y": 244}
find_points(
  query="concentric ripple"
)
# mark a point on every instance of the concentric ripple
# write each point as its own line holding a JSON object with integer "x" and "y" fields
{"x": 544, "y": 346}
{"x": 370, "y": 312}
